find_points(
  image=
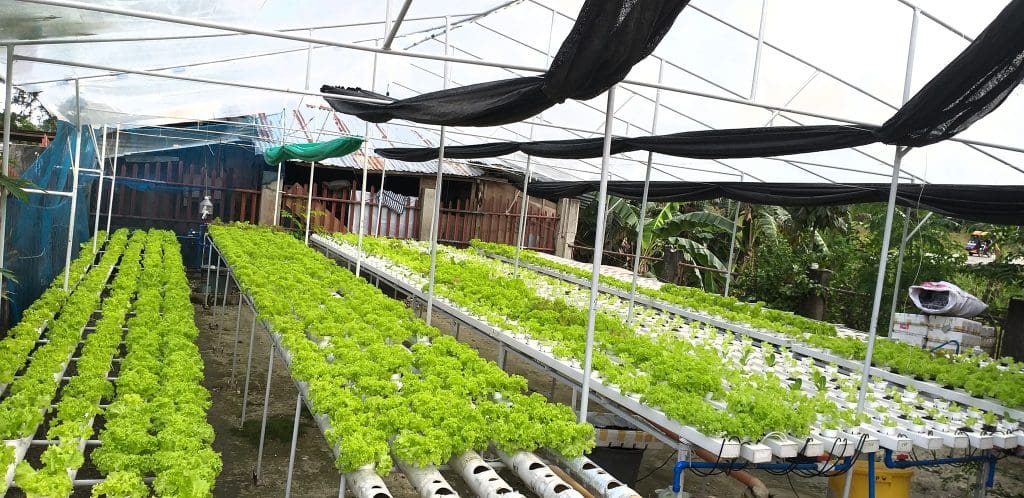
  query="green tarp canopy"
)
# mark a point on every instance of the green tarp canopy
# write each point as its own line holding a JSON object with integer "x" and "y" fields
{"x": 311, "y": 152}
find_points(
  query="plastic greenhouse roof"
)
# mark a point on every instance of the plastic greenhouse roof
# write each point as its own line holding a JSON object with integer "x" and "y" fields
{"x": 845, "y": 60}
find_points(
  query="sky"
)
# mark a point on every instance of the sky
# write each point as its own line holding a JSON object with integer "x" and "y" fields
{"x": 863, "y": 43}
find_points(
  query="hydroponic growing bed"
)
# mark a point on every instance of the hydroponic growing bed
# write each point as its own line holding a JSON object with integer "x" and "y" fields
{"x": 389, "y": 391}
{"x": 112, "y": 357}
{"x": 764, "y": 391}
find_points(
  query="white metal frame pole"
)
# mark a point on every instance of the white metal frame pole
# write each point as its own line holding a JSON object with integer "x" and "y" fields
{"x": 363, "y": 219}
{"x": 643, "y": 201}
{"x": 435, "y": 219}
{"x": 309, "y": 205}
{"x": 595, "y": 273}
{"x": 732, "y": 247}
{"x": 9, "y": 89}
{"x": 523, "y": 208}
{"x": 883, "y": 259}
{"x": 113, "y": 179}
{"x": 277, "y": 195}
{"x": 389, "y": 36}
{"x": 99, "y": 190}
{"x": 75, "y": 164}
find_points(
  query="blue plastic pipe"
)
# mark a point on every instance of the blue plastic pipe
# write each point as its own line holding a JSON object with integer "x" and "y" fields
{"x": 686, "y": 464}
{"x": 986, "y": 457}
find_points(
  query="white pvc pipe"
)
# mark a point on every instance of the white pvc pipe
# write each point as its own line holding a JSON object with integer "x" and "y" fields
{"x": 732, "y": 250}
{"x": 362, "y": 186}
{"x": 75, "y": 164}
{"x": 99, "y": 190}
{"x": 8, "y": 95}
{"x": 537, "y": 475}
{"x": 595, "y": 478}
{"x": 367, "y": 484}
{"x": 436, "y": 217}
{"x": 113, "y": 178}
{"x": 427, "y": 481}
{"x": 595, "y": 274}
{"x": 482, "y": 478}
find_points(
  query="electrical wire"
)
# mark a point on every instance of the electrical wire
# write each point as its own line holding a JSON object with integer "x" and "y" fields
{"x": 649, "y": 474}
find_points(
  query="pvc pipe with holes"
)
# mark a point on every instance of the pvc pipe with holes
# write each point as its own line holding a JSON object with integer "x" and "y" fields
{"x": 538, "y": 476}
{"x": 481, "y": 478}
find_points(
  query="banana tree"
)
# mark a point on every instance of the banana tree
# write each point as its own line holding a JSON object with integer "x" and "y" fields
{"x": 691, "y": 235}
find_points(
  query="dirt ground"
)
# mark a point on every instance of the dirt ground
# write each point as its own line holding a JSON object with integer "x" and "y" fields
{"x": 315, "y": 475}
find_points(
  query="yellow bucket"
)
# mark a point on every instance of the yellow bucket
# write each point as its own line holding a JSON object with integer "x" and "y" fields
{"x": 889, "y": 483}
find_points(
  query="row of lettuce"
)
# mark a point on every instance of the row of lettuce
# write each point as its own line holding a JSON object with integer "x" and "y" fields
{"x": 166, "y": 436}
{"x": 390, "y": 385}
{"x": 689, "y": 382}
{"x": 1001, "y": 379}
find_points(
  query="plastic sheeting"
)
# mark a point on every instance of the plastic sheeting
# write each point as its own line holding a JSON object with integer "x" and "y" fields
{"x": 969, "y": 88}
{"x": 985, "y": 203}
{"x": 608, "y": 38}
{"x": 37, "y": 229}
{"x": 311, "y": 152}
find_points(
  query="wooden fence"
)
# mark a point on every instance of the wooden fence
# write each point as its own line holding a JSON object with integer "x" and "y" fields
{"x": 167, "y": 194}
{"x": 338, "y": 211}
{"x": 496, "y": 220}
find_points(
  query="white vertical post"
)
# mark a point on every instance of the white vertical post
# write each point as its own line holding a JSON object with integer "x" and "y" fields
{"x": 643, "y": 200}
{"x": 9, "y": 89}
{"x": 309, "y": 59}
{"x": 113, "y": 178}
{"x": 280, "y": 165}
{"x": 529, "y": 169}
{"x": 75, "y": 164}
{"x": 309, "y": 206}
{"x": 732, "y": 249}
{"x": 732, "y": 246}
{"x": 435, "y": 219}
{"x": 277, "y": 195}
{"x": 899, "y": 268}
{"x": 99, "y": 190}
{"x": 760, "y": 47}
{"x": 595, "y": 273}
{"x": 523, "y": 208}
{"x": 362, "y": 186}
{"x": 387, "y": 45}
{"x": 883, "y": 258}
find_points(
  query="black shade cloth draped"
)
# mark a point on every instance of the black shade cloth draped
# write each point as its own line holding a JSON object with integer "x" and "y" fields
{"x": 608, "y": 38}
{"x": 984, "y": 203}
{"x": 966, "y": 90}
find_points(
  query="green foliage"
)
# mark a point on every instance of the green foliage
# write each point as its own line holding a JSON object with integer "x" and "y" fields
{"x": 121, "y": 485}
{"x": 424, "y": 403}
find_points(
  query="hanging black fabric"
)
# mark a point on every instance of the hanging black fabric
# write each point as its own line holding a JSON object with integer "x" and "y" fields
{"x": 984, "y": 203}
{"x": 608, "y": 38}
{"x": 967, "y": 89}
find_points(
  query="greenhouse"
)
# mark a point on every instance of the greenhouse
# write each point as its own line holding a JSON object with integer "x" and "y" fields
{"x": 537, "y": 248}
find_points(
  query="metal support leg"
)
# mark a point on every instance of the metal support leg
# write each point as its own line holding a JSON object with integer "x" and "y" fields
{"x": 207, "y": 246}
{"x": 501, "y": 355}
{"x": 295, "y": 440}
{"x": 234, "y": 347}
{"x": 76, "y": 164}
{"x": 981, "y": 479}
{"x": 341, "y": 487}
{"x": 457, "y": 327}
{"x": 224, "y": 301}
{"x": 216, "y": 285}
{"x": 575, "y": 395}
{"x": 266, "y": 407}
{"x": 248, "y": 369}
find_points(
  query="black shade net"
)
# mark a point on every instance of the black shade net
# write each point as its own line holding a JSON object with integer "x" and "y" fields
{"x": 984, "y": 203}
{"x": 608, "y": 38}
{"x": 971, "y": 86}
